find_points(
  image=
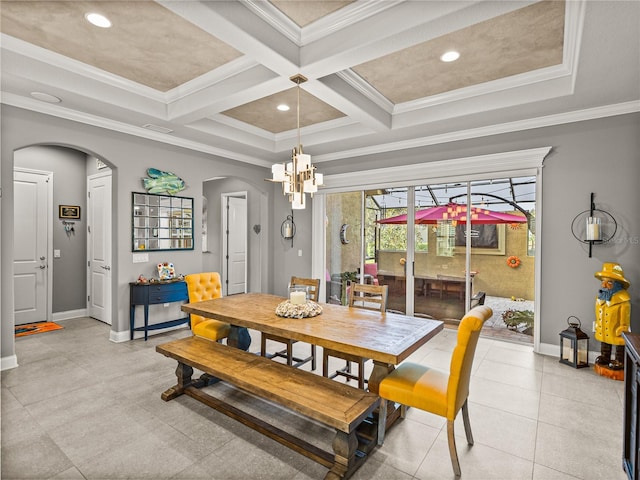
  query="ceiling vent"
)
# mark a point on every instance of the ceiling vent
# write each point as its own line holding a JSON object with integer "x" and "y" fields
{"x": 157, "y": 128}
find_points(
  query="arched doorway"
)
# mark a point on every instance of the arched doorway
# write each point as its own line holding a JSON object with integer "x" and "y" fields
{"x": 65, "y": 234}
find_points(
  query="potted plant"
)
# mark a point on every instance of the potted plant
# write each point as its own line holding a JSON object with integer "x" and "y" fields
{"x": 347, "y": 278}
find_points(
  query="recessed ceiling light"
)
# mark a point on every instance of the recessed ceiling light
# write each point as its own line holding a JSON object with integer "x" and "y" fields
{"x": 45, "y": 97}
{"x": 98, "y": 20}
{"x": 283, "y": 108}
{"x": 450, "y": 56}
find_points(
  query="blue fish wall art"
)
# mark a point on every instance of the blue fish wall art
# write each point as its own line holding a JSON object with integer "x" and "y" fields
{"x": 162, "y": 182}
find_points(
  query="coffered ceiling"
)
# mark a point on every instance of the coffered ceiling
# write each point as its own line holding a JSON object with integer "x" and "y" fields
{"x": 208, "y": 75}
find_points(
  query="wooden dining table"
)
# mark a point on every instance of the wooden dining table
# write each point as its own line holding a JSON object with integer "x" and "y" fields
{"x": 386, "y": 339}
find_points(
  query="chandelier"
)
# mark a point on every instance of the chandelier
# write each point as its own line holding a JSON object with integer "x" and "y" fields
{"x": 298, "y": 176}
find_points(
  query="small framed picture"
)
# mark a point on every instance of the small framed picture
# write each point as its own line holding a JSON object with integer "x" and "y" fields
{"x": 69, "y": 211}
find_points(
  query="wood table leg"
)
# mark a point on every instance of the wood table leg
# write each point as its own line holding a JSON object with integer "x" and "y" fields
{"x": 232, "y": 339}
{"x": 183, "y": 372}
{"x": 344, "y": 447}
{"x": 381, "y": 370}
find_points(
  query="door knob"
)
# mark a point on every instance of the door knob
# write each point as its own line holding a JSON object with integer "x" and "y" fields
{"x": 42, "y": 258}
{"x": 42, "y": 267}
{"x": 105, "y": 267}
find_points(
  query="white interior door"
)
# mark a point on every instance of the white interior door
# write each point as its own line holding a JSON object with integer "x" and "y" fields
{"x": 235, "y": 218}
{"x": 99, "y": 247}
{"x": 32, "y": 210}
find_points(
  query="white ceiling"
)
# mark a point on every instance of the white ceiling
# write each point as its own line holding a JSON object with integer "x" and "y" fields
{"x": 212, "y": 72}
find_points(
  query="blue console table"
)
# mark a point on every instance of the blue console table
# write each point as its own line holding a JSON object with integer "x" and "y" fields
{"x": 146, "y": 294}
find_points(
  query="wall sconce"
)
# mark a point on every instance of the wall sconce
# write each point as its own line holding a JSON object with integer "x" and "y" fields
{"x": 574, "y": 345}
{"x": 599, "y": 226}
{"x": 288, "y": 228}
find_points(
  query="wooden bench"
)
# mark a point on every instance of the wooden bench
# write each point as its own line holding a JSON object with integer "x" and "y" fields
{"x": 337, "y": 405}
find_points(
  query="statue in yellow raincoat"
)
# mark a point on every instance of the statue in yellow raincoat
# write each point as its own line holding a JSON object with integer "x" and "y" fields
{"x": 613, "y": 315}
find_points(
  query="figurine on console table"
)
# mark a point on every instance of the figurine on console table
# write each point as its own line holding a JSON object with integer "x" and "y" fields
{"x": 613, "y": 315}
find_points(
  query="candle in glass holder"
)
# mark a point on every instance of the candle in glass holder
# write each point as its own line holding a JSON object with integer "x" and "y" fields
{"x": 593, "y": 228}
{"x": 297, "y": 297}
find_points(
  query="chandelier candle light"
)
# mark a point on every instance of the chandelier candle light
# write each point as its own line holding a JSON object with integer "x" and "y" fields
{"x": 298, "y": 176}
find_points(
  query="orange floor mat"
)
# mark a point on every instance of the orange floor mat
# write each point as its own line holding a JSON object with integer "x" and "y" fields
{"x": 39, "y": 327}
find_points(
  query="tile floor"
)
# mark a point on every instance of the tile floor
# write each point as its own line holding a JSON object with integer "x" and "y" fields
{"x": 81, "y": 407}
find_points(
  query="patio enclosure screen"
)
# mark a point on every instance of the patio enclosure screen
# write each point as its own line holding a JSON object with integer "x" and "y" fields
{"x": 416, "y": 241}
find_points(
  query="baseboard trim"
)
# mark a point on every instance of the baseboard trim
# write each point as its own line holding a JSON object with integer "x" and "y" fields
{"x": 554, "y": 351}
{"x": 7, "y": 363}
{"x": 69, "y": 314}
{"x": 119, "y": 337}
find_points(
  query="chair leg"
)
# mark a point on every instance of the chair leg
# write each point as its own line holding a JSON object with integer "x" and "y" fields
{"x": 263, "y": 346}
{"x": 313, "y": 357}
{"x": 382, "y": 420}
{"x": 289, "y": 353}
{"x": 361, "y": 374}
{"x": 325, "y": 364}
{"x": 467, "y": 424}
{"x": 348, "y": 367}
{"x": 453, "y": 453}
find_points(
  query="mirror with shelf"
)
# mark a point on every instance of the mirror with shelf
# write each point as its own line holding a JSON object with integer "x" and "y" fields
{"x": 161, "y": 222}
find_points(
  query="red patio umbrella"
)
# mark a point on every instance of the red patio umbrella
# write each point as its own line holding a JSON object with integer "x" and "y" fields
{"x": 458, "y": 213}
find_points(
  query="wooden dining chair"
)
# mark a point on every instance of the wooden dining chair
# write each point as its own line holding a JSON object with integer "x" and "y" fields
{"x": 370, "y": 297}
{"x": 313, "y": 288}
{"x": 206, "y": 286}
{"x": 435, "y": 391}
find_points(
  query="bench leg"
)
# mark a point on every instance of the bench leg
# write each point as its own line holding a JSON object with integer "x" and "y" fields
{"x": 183, "y": 372}
{"x": 344, "y": 447}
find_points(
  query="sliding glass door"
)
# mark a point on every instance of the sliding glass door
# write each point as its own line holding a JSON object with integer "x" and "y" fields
{"x": 441, "y": 248}
{"x": 344, "y": 241}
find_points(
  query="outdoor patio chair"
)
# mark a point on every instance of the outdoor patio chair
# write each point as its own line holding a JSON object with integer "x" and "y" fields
{"x": 372, "y": 269}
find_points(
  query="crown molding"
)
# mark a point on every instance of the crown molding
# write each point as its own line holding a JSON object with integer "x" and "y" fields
{"x": 345, "y": 18}
{"x": 276, "y": 19}
{"x": 321, "y": 28}
{"x": 528, "y": 124}
{"x": 497, "y": 129}
{"x": 206, "y": 80}
{"x": 358, "y": 83}
{"x": 58, "y": 61}
{"x": 62, "y": 62}
{"x": 93, "y": 120}
{"x": 415, "y": 174}
{"x": 495, "y": 86}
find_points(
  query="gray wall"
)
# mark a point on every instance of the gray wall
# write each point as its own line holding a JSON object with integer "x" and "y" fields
{"x": 285, "y": 257}
{"x": 211, "y": 261}
{"x": 130, "y": 157}
{"x": 69, "y": 188}
{"x": 600, "y": 156}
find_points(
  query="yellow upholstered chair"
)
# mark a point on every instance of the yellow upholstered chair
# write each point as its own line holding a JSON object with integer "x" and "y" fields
{"x": 206, "y": 286}
{"x": 370, "y": 297}
{"x": 435, "y": 391}
{"x": 313, "y": 288}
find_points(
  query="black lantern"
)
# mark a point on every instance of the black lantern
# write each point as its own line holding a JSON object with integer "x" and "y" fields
{"x": 574, "y": 345}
